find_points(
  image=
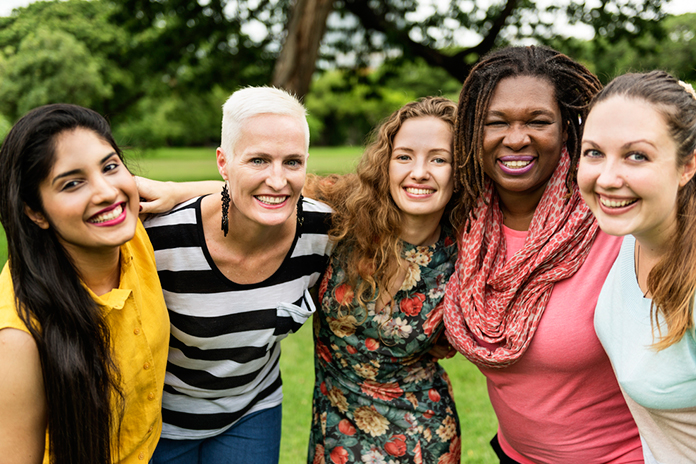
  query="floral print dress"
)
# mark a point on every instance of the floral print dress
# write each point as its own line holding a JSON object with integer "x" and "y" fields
{"x": 379, "y": 397}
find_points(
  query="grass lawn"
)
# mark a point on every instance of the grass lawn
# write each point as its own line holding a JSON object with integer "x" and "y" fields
{"x": 476, "y": 415}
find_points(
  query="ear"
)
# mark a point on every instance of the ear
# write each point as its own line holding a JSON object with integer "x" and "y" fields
{"x": 688, "y": 170}
{"x": 221, "y": 162}
{"x": 37, "y": 218}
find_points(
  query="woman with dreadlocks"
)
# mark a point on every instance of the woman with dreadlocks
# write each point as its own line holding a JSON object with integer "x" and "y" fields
{"x": 532, "y": 262}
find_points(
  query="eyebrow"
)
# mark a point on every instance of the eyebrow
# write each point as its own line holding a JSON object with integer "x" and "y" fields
{"x": 625, "y": 145}
{"x": 77, "y": 171}
{"x": 534, "y": 112}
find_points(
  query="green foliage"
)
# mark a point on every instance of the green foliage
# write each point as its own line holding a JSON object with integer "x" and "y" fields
{"x": 60, "y": 52}
{"x": 672, "y": 49}
{"x": 346, "y": 105}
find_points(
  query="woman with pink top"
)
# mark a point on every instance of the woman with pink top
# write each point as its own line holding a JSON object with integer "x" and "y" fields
{"x": 532, "y": 262}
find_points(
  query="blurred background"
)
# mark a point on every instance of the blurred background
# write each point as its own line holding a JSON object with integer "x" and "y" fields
{"x": 161, "y": 69}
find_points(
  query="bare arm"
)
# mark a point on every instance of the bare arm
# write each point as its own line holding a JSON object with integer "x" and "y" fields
{"x": 22, "y": 399}
{"x": 159, "y": 197}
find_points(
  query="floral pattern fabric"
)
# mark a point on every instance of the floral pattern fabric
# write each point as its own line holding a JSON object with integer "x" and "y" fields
{"x": 379, "y": 397}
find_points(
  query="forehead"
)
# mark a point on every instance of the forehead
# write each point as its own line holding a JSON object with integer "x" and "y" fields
{"x": 271, "y": 134}
{"x": 524, "y": 93}
{"x": 79, "y": 145}
{"x": 619, "y": 119}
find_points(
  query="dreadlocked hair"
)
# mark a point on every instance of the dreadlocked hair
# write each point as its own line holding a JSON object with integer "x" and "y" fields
{"x": 366, "y": 222}
{"x": 672, "y": 281}
{"x": 574, "y": 87}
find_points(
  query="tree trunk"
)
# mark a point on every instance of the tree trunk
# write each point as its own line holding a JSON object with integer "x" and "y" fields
{"x": 297, "y": 61}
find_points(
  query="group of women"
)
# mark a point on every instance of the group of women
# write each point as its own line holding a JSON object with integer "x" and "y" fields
{"x": 495, "y": 226}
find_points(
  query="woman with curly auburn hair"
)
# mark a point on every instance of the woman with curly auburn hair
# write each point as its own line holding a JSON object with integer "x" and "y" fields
{"x": 379, "y": 394}
{"x": 521, "y": 301}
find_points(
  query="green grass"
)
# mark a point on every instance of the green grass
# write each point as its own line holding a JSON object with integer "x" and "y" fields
{"x": 475, "y": 413}
{"x": 181, "y": 164}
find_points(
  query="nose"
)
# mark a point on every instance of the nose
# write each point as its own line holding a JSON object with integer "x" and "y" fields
{"x": 516, "y": 137}
{"x": 420, "y": 169}
{"x": 103, "y": 191}
{"x": 610, "y": 176}
{"x": 276, "y": 177}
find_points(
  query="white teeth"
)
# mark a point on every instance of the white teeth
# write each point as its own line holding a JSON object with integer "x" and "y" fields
{"x": 516, "y": 164}
{"x": 113, "y": 214}
{"x": 616, "y": 203}
{"x": 418, "y": 191}
{"x": 270, "y": 200}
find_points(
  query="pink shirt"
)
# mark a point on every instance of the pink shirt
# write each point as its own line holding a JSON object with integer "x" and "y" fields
{"x": 560, "y": 403}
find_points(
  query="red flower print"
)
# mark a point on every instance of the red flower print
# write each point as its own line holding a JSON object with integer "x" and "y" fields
{"x": 324, "y": 390}
{"x": 325, "y": 282}
{"x": 344, "y": 294}
{"x": 434, "y": 395}
{"x": 371, "y": 344}
{"x": 412, "y": 306}
{"x": 429, "y": 413}
{"x": 417, "y": 454}
{"x": 433, "y": 320}
{"x": 346, "y": 428}
{"x": 351, "y": 349}
{"x": 396, "y": 446}
{"x": 339, "y": 455}
{"x": 319, "y": 455}
{"x": 455, "y": 452}
{"x": 323, "y": 351}
{"x": 381, "y": 391}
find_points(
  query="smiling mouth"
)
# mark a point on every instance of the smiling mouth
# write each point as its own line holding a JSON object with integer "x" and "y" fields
{"x": 270, "y": 200}
{"x": 107, "y": 216}
{"x": 419, "y": 191}
{"x": 516, "y": 164}
{"x": 616, "y": 203}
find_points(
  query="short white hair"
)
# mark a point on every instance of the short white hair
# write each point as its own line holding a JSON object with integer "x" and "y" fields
{"x": 253, "y": 101}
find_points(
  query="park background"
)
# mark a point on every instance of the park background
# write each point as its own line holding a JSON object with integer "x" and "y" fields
{"x": 160, "y": 71}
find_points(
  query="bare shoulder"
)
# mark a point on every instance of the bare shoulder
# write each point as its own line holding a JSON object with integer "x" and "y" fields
{"x": 22, "y": 398}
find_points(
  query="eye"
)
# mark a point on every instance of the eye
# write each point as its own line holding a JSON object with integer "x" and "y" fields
{"x": 495, "y": 124}
{"x": 539, "y": 122}
{"x": 111, "y": 166}
{"x": 69, "y": 185}
{"x": 591, "y": 153}
{"x": 257, "y": 161}
{"x": 440, "y": 160}
{"x": 402, "y": 157}
{"x": 637, "y": 157}
{"x": 294, "y": 163}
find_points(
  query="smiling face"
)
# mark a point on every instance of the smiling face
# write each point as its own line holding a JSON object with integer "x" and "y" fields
{"x": 420, "y": 169}
{"x": 523, "y": 135}
{"x": 267, "y": 171}
{"x": 89, "y": 198}
{"x": 628, "y": 172}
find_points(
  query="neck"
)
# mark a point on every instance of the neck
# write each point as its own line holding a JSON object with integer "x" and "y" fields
{"x": 518, "y": 207}
{"x": 420, "y": 232}
{"x": 244, "y": 235}
{"x": 99, "y": 270}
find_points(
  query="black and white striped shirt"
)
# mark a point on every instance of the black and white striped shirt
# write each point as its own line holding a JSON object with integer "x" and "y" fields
{"x": 224, "y": 347}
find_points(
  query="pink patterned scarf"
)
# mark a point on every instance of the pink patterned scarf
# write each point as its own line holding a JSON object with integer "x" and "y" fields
{"x": 502, "y": 302}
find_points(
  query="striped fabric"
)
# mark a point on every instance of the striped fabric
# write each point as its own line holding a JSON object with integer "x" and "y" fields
{"x": 224, "y": 350}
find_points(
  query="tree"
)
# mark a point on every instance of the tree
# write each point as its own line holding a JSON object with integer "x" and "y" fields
{"x": 209, "y": 42}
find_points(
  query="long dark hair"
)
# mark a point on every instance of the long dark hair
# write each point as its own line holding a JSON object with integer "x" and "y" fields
{"x": 80, "y": 376}
{"x": 672, "y": 282}
{"x": 574, "y": 87}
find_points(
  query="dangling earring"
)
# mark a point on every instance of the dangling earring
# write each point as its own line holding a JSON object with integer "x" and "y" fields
{"x": 300, "y": 215}
{"x": 225, "y": 209}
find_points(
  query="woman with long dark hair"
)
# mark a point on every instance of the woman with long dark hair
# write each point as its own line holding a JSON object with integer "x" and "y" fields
{"x": 83, "y": 326}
